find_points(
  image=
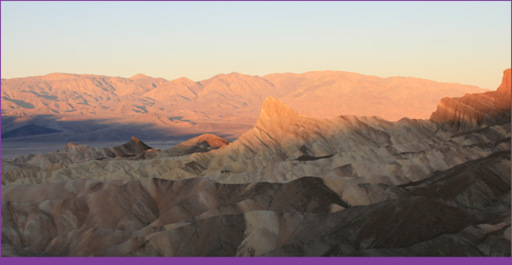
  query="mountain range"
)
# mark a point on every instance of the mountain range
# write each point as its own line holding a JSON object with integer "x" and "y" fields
{"x": 72, "y": 107}
{"x": 292, "y": 185}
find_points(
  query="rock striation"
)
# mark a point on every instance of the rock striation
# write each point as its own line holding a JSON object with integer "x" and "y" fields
{"x": 304, "y": 217}
{"x": 290, "y": 186}
{"x": 476, "y": 110}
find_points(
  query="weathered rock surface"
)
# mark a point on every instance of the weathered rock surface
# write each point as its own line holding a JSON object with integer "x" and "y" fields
{"x": 84, "y": 217}
{"x": 74, "y": 153}
{"x": 198, "y": 217}
{"x": 476, "y": 110}
{"x": 200, "y": 144}
{"x": 291, "y": 186}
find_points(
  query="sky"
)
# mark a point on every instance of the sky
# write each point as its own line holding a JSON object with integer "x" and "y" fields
{"x": 460, "y": 42}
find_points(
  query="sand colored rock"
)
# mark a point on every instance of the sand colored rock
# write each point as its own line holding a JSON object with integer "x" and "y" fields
{"x": 285, "y": 145}
{"x": 198, "y": 217}
{"x": 119, "y": 218}
{"x": 74, "y": 153}
{"x": 292, "y": 185}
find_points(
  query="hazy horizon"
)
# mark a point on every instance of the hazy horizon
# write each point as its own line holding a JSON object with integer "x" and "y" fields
{"x": 291, "y": 185}
{"x": 455, "y": 42}
{"x": 235, "y": 72}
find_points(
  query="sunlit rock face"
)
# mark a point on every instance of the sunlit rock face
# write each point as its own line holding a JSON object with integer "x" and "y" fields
{"x": 200, "y": 144}
{"x": 290, "y": 186}
{"x": 73, "y": 107}
{"x": 476, "y": 110}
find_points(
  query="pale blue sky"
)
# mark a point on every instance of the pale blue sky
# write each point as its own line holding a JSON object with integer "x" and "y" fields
{"x": 462, "y": 42}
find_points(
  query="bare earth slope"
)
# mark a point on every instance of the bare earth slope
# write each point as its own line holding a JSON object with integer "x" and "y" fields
{"x": 74, "y": 153}
{"x": 324, "y": 93}
{"x": 290, "y": 186}
{"x": 226, "y": 104}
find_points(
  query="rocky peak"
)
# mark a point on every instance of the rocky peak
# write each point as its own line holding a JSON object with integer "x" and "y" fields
{"x": 504, "y": 88}
{"x": 275, "y": 114}
{"x": 275, "y": 128}
{"x": 476, "y": 110}
{"x": 135, "y": 146}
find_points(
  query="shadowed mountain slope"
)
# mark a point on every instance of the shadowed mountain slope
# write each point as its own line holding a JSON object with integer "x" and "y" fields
{"x": 226, "y": 104}
{"x": 292, "y": 185}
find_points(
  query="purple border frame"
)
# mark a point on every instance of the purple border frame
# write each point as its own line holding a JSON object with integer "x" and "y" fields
{"x": 247, "y": 261}
{"x": 243, "y": 261}
{"x": 256, "y": 260}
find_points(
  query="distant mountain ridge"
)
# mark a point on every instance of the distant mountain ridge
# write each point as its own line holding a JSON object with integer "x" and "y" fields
{"x": 226, "y": 104}
{"x": 293, "y": 185}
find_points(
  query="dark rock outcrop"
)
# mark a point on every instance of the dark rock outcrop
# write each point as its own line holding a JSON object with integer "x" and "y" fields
{"x": 200, "y": 144}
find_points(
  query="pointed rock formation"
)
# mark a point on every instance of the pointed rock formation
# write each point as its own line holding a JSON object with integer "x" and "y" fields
{"x": 275, "y": 117}
{"x": 276, "y": 132}
{"x": 476, "y": 110}
{"x": 291, "y": 186}
{"x": 504, "y": 88}
{"x": 134, "y": 146}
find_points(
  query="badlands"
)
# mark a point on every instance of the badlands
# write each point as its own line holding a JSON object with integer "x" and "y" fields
{"x": 292, "y": 185}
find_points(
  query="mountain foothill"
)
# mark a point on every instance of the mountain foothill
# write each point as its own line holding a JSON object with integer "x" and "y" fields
{"x": 322, "y": 164}
{"x": 71, "y": 107}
